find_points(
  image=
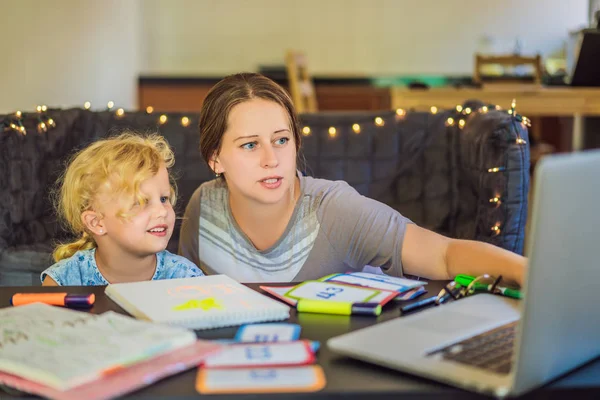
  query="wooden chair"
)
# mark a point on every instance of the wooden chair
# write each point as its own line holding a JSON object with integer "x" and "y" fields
{"x": 508, "y": 60}
{"x": 301, "y": 85}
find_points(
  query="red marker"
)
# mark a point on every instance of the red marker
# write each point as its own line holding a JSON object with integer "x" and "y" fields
{"x": 55, "y": 299}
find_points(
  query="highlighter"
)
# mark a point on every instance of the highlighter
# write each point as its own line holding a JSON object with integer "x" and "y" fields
{"x": 54, "y": 299}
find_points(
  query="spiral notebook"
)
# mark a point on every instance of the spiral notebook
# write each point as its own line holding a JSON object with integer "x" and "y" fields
{"x": 204, "y": 302}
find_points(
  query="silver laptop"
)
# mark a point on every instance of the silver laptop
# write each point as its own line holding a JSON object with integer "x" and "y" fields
{"x": 500, "y": 346}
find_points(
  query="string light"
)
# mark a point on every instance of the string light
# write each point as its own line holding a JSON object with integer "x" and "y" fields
{"x": 496, "y": 229}
{"x": 461, "y": 123}
{"x": 51, "y": 123}
{"x": 185, "y": 121}
{"x": 162, "y": 119}
{"x": 467, "y": 111}
{"x": 149, "y": 110}
{"x": 497, "y": 107}
{"x": 400, "y": 112}
{"x": 120, "y": 112}
{"x": 459, "y": 108}
{"x": 110, "y": 104}
{"x": 42, "y": 127}
{"x": 356, "y": 128}
{"x": 495, "y": 200}
{"x": 510, "y": 112}
{"x": 19, "y": 114}
{"x": 484, "y": 109}
{"x": 44, "y": 108}
{"x": 433, "y": 109}
{"x": 379, "y": 121}
{"x": 87, "y": 105}
{"x": 521, "y": 141}
{"x": 306, "y": 131}
{"x": 496, "y": 169}
{"x": 332, "y": 132}
{"x": 450, "y": 121}
{"x": 38, "y": 109}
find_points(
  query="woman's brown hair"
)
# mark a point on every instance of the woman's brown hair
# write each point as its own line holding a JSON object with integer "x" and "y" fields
{"x": 231, "y": 91}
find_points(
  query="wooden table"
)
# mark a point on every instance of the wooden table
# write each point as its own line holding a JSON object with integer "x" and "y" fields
{"x": 532, "y": 101}
{"x": 351, "y": 378}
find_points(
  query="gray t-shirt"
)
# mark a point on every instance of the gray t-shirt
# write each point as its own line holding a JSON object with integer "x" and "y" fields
{"x": 333, "y": 229}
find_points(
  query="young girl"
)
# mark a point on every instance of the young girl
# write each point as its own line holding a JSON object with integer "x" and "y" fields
{"x": 263, "y": 221}
{"x": 116, "y": 195}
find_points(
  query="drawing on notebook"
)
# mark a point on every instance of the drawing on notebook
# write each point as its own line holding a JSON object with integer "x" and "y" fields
{"x": 203, "y": 304}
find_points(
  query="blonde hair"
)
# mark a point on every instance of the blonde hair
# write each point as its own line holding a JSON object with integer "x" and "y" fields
{"x": 117, "y": 165}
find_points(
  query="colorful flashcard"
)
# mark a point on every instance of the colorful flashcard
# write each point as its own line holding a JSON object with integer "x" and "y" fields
{"x": 261, "y": 380}
{"x": 251, "y": 355}
{"x": 266, "y": 333}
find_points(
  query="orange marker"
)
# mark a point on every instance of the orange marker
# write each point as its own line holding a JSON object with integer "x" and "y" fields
{"x": 55, "y": 299}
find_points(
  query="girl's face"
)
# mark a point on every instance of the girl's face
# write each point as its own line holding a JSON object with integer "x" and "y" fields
{"x": 258, "y": 153}
{"x": 150, "y": 227}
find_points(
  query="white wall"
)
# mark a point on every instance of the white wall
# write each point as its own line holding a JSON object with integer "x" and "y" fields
{"x": 375, "y": 37}
{"x": 65, "y": 52}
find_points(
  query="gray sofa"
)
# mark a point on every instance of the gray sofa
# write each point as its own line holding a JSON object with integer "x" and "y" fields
{"x": 444, "y": 176}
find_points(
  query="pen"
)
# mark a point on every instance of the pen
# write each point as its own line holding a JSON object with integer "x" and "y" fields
{"x": 418, "y": 304}
{"x": 54, "y": 299}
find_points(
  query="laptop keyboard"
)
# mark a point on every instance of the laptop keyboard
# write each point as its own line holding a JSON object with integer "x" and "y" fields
{"x": 491, "y": 350}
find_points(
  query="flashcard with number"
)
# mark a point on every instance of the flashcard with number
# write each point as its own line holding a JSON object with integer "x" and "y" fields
{"x": 267, "y": 333}
{"x": 261, "y": 380}
{"x": 250, "y": 355}
{"x": 315, "y": 290}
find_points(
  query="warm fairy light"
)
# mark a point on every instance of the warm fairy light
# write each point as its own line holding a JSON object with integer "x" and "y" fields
{"x": 495, "y": 169}
{"x": 38, "y": 109}
{"x": 185, "y": 121}
{"x": 379, "y": 121}
{"x": 468, "y": 111}
{"x": 18, "y": 114}
{"x": 510, "y": 112}
{"x": 521, "y": 141}
{"x": 497, "y": 107}
{"x": 461, "y": 123}
{"x": 332, "y": 131}
{"x": 110, "y": 104}
{"x": 51, "y": 122}
{"x": 149, "y": 110}
{"x": 44, "y": 108}
{"x": 306, "y": 131}
{"x": 120, "y": 112}
{"x": 433, "y": 109}
{"x": 162, "y": 119}
{"x": 513, "y": 104}
{"x": 400, "y": 112}
{"x": 459, "y": 108}
{"x": 87, "y": 105}
{"x": 495, "y": 200}
{"x": 450, "y": 121}
{"x": 484, "y": 109}
{"x": 356, "y": 128}
{"x": 496, "y": 229}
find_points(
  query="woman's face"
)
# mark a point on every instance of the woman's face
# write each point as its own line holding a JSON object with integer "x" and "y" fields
{"x": 258, "y": 153}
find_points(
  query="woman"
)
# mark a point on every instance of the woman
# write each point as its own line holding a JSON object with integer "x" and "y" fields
{"x": 262, "y": 221}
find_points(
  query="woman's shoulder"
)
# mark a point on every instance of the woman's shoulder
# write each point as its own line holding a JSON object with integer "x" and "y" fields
{"x": 211, "y": 191}
{"x": 318, "y": 187}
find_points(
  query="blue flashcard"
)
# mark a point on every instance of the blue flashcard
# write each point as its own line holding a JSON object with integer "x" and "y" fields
{"x": 268, "y": 333}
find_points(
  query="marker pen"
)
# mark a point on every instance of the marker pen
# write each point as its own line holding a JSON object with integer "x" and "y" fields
{"x": 55, "y": 299}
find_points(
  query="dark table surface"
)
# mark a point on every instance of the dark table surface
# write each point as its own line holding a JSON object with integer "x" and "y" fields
{"x": 345, "y": 376}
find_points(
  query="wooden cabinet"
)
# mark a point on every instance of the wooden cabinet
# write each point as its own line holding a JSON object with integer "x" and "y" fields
{"x": 187, "y": 94}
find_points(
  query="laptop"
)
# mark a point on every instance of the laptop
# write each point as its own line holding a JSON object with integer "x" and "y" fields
{"x": 497, "y": 345}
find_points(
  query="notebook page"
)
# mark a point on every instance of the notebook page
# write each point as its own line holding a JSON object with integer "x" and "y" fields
{"x": 199, "y": 303}
{"x": 63, "y": 348}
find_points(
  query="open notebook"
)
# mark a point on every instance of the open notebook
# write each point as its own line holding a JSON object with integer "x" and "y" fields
{"x": 66, "y": 354}
{"x": 198, "y": 303}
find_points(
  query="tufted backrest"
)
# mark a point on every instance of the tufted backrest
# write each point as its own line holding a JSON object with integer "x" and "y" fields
{"x": 436, "y": 173}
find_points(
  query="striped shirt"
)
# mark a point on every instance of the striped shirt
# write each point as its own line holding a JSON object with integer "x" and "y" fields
{"x": 332, "y": 229}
